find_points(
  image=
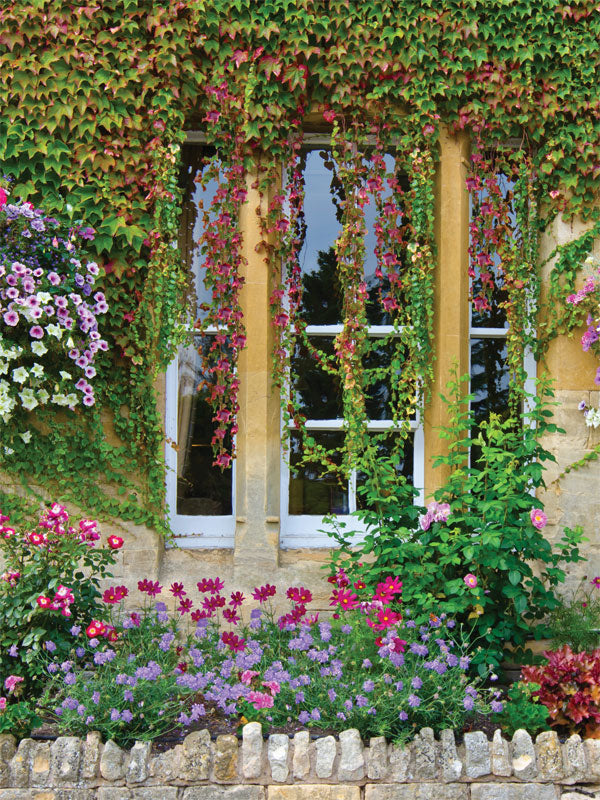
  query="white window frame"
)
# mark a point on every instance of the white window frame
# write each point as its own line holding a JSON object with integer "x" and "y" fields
{"x": 191, "y": 531}
{"x": 307, "y": 530}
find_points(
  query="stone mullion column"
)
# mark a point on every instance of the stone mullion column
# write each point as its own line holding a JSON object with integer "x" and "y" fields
{"x": 451, "y": 304}
{"x": 255, "y": 557}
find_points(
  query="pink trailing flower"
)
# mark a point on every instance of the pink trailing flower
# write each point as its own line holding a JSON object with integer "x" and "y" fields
{"x": 11, "y": 682}
{"x": 538, "y": 518}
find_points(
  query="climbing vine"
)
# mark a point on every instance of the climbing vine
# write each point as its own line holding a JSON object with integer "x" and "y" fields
{"x": 95, "y": 100}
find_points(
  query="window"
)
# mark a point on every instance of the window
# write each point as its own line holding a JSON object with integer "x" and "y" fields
{"x": 309, "y": 491}
{"x": 490, "y": 378}
{"x": 200, "y": 497}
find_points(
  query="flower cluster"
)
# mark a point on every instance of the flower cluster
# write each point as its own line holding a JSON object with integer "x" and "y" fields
{"x": 367, "y": 666}
{"x": 589, "y": 297}
{"x": 50, "y": 583}
{"x": 436, "y": 512}
{"x": 49, "y": 309}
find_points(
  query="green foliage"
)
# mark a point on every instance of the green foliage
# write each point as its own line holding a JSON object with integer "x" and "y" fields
{"x": 19, "y": 719}
{"x": 477, "y": 563}
{"x": 95, "y": 99}
{"x": 523, "y": 709}
{"x": 51, "y": 581}
{"x": 576, "y": 619}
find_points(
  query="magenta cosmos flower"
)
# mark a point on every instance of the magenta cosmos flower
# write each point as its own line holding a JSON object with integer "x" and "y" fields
{"x": 538, "y": 518}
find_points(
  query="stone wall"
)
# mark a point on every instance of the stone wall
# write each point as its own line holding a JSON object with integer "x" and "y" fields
{"x": 298, "y": 768}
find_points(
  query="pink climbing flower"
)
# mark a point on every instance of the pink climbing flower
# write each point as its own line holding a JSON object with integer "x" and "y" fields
{"x": 470, "y": 580}
{"x": 538, "y": 518}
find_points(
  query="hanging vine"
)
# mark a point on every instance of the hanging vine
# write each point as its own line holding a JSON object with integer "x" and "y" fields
{"x": 95, "y": 98}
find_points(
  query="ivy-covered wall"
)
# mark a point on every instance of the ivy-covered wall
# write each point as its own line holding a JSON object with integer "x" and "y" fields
{"x": 94, "y": 101}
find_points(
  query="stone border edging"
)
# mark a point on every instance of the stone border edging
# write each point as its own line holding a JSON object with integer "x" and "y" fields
{"x": 284, "y": 768}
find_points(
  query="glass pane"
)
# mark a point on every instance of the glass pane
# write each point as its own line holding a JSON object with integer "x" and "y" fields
{"x": 322, "y": 298}
{"x": 378, "y": 393}
{"x": 489, "y": 377}
{"x": 194, "y": 161}
{"x": 312, "y": 489}
{"x": 317, "y": 391}
{"x": 495, "y": 315}
{"x": 202, "y": 490}
{"x": 387, "y": 445}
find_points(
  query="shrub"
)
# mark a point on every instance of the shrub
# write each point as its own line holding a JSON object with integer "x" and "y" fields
{"x": 366, "y": 667}
{"x": 474, "y": 547}
{"x": 523, "y": 710}
{"x": 569, "y": 687}
{"x": 576, "y": 620}
{"x": 51, "y": 581}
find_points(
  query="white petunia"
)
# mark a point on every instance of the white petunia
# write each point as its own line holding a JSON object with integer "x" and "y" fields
{"x": 28, "y": 400}
{"x": 65, "y": 375}
{"x": 54, "y": 330}
{"x": 39, "y": 348}
{"x": 20, "y": 375}
{"x": 26, "y": 437}
{"x": 43, "y": 396}
{"x": 37, "y": 370}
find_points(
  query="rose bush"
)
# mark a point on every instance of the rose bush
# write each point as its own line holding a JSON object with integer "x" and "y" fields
{"x": 51, "y": 582}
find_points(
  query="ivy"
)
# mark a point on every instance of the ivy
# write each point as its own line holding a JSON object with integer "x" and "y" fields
{"x": 94, "y": 101}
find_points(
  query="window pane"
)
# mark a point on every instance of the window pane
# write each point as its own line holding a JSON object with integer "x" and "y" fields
{"x": 312, "y": 489}
{"x": 194, "y": 161}
{"x": 201, "y": 488}
{"x": 386, "y": 445}
{"x": 489, "y": 377}
{"x": 322, "y": 298}
{"x": 317, "y": 392}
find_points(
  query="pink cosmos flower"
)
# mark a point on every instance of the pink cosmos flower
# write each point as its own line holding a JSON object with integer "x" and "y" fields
{"x": 596, "y": 581}
{"x": 263, "y": 593}
{"x": 3, "y": 197}
{"x": 538, "y": 518}
{"x": 344, "y": 598}
{"x": 470, "y": 580}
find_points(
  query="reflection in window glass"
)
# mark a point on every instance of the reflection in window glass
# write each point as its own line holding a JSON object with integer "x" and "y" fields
{"x": 489, "y": 377}
{"x": 317, "y": 391}
{"x": 202, "y": 490}
{"x": 386, "y": 448}
{"x": 312, "y": 489}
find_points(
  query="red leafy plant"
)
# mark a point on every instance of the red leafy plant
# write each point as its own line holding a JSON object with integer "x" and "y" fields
{"x": 569, "y": 688}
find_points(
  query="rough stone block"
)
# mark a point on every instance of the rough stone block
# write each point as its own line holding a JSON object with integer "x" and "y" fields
{"x": 8, "y": 748}
{"x": 197, "y": 756}
{"x": 155, "y": 793}
{"x": 252, "y": 750}
{"x": 574, "y": 761}
{"x": 326, "y": 752}
{"x": 417, "y": 791}
{"x": 224, "y": 793}
{"x": 549, "y": 756}
{"x": 138, "y": 768}
{"x": 313, "y": 791}
{"x": 39, "y": 764}
{"x": 301, "y": 759}
{"x": 226, "y": 758}
{"x": 19, "y": 764}
{"x": 523, "y": 756}
{"x": 450, "y": 763}
{"x": 277, "y": 754}
{"x": 114, "y": 793}
{"x": 424, "y": 755}
{"x": 377, "y": 759}
{"x": 65, "y": 760}
{"x": 90, "y": 759}
{"x": 352, "y": 760}
{"x": 399, "y": 762}
{"x": 501, "y": 763}
{"x": 112, "y": 762}
{"x": 165, "y": 767}
{"x": 592, "y": 754}
{"x": 514, "y": 791}
{"x": 477, "y": 755}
